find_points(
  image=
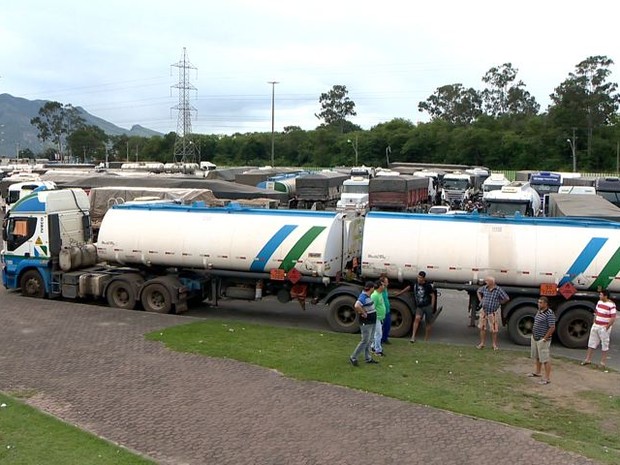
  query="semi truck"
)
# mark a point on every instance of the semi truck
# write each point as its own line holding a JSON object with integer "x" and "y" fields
{"x": 518, "y": 196}
{"x": 609, "y": 189}
{"x": 163, "y": 258}
{"x": 457, "y": 189}
{"x": 545, "y": 183}
{"x": 493, "y": 183}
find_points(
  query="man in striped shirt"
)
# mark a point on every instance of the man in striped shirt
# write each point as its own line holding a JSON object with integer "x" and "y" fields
{"x": 604, "y": 317}
{"x": 543, "y": 329}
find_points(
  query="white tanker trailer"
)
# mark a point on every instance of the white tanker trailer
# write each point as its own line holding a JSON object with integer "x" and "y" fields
{"x": 569, "y": 261}
{"x": 162, "y": 257}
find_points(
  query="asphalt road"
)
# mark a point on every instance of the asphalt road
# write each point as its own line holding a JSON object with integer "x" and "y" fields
{"x": 451, "y": 326}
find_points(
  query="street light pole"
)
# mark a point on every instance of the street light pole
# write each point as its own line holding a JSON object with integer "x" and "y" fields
{"x": 273, "y": 95}
{"x": 354, "y": 144}
{"x": 571, "y": 142}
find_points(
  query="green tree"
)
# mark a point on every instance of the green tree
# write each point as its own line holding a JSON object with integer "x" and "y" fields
{"x": 56, "y": 121}
{"x": 88, "y": 142}
{"x": 336, "y": 106}
{"x": 586, "y": 101}
{"x": 505, "y": 95}
{"x": 453, "y": 103}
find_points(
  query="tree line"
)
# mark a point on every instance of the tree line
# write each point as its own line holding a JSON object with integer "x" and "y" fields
{"x": 500, "y": 126}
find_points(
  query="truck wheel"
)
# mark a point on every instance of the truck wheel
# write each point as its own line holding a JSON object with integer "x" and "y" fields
{"x": 156, "y": 298}
{"x": 32, "y": 284}
{"x": 341, "y": 315}
{"x": 573, "y": 329}
{"x": 120, "y": 294}
{"x": 402, "y": 318}
{"x": 520, "y": 324}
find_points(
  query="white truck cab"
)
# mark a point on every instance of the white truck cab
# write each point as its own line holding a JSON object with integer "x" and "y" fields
{"x": 354, "y": 194}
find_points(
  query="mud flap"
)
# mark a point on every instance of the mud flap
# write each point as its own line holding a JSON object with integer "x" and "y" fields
{"x": 436, "y": 314}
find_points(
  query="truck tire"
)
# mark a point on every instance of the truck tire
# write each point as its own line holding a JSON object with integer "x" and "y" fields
{"x": 520, "y": 324}
{"x": 120, "y": 294}
{"x": 156, "y": 298}
{"x": 402, "y": 318}
{"x": 32, "y": 284}
{"x": 341, "y": 315}
{"x": 573, "y": 329}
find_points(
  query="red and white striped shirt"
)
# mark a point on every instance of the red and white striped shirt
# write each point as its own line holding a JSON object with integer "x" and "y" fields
{"x": 605, "y": 312}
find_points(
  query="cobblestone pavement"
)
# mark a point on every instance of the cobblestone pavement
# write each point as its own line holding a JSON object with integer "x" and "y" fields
{"x": 92, "y": 367}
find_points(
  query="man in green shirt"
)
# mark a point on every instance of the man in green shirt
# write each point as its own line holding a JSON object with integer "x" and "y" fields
{"x": 377, "y": 298}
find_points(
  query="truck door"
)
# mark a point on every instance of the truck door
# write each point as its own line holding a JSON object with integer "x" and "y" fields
{"x": 18, "y": 233}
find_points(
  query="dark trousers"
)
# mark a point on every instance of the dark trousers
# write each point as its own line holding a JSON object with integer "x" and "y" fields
{"x": 387, "y": 325}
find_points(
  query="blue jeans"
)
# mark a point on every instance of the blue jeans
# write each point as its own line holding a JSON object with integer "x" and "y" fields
{"x": 367, "y": 331}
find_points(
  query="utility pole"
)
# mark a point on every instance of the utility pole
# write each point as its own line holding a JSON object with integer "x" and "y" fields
{"x": 273, "y": 95}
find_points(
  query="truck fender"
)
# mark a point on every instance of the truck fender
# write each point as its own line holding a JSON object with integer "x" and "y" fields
{"x": 349, "y": 289}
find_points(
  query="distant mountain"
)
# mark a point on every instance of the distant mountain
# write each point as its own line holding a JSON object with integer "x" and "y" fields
{"x": 16, "y": 132}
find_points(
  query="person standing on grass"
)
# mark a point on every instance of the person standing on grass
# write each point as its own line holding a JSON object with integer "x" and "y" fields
{"x": 377, "y": 299}
{"x": 367, "y": 315}
{"x": 600, "y": 333}
{"x": 424, "y": 300}
{"x": 387, "y": 322}
{"x": 491, "y": 298}
{"x": 540, "y": 344}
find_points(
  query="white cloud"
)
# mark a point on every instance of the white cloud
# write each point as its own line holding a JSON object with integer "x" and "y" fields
{"x": 113, "y": 58}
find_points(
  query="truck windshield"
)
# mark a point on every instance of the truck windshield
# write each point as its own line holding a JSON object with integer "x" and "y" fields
{"x": 455, "y": 184}
{"x": 545, "y": 186}
{"x": 613, "y": 197}
{"x": 492, "y": 187}
{"x": 355, "y": 189}
{"x": 507, "y": 208}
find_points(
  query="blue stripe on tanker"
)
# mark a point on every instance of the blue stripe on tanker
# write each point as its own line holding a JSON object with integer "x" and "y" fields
{"x": 583, "y": 261}
{"x": 270, "y": 247}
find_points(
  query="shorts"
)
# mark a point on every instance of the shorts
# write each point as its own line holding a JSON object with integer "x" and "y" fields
{"x": 540, "y": 350}
{"x": 599, "y": 334}
{"x": 425, "y": 311}
{"x": 492, "y": 319}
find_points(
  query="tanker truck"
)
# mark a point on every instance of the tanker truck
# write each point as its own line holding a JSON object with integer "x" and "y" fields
{"x": 566, "y": 260}
{"x": 163, "y": 257}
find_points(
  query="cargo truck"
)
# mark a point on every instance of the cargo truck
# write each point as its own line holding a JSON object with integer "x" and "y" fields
{"x": 402, "y": 193}
{"x": 162, "y": 258}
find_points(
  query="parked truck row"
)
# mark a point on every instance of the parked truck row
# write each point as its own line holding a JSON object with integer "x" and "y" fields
{"x": 164, "y": 257}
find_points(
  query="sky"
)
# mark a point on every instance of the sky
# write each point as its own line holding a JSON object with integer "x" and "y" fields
{"x": 114, "y": 58}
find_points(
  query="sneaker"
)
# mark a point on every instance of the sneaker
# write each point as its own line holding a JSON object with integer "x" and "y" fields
{"x": 353, "y": 362}
{"x": 412, "y": 340}
{"x": 372, "y": 360}
{"x": 380, "y": 354}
